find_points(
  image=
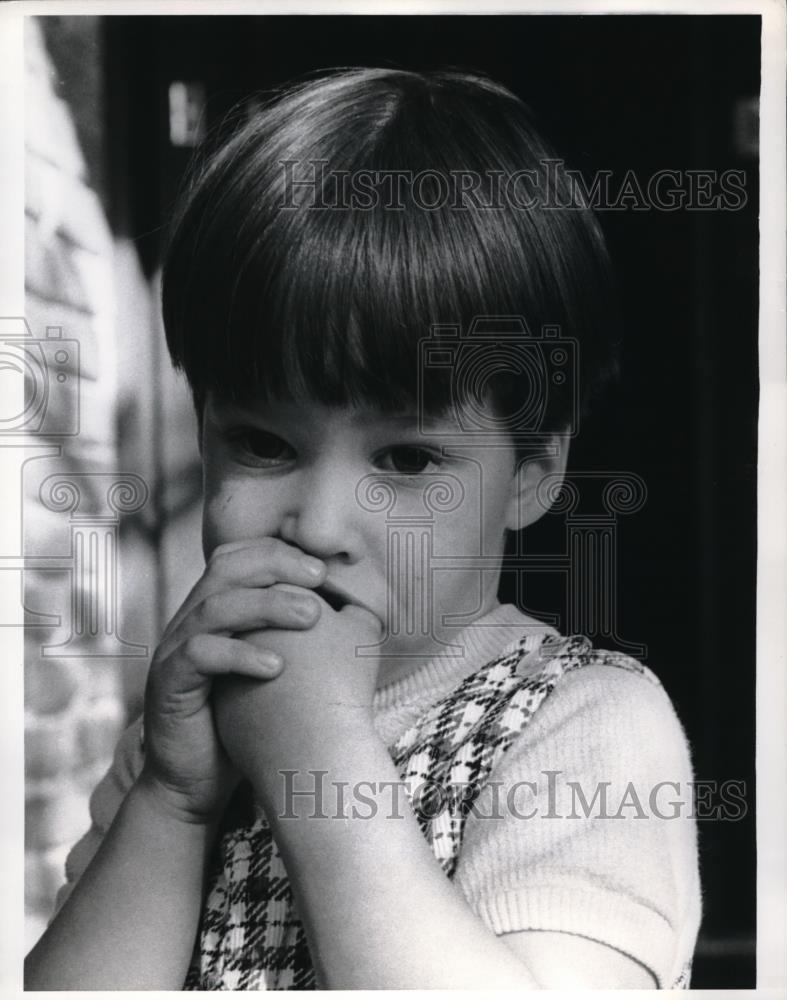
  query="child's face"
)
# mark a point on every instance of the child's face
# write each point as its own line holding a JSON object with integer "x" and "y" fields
{"x": 307, "y": 473}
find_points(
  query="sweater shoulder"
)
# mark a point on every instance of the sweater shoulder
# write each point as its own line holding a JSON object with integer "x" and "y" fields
{"x": 604, "y": 710}
{"x": 608, "y": 701}
{"x": 585, "y": 825}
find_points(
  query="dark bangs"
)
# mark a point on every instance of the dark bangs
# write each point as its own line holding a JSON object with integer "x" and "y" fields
{"x": 315, "y": 251}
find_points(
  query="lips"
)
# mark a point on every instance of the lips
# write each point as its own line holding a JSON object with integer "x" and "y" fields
{"x": 338, "y": 598}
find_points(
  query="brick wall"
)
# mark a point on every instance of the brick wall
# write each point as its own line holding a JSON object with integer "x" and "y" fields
{"x": 73, "y": 704}
{"x": 135, "y": 417}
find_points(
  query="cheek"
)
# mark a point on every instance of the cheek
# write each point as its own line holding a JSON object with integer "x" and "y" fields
{"x": 476, "y": 527}
{"x": 235, "y": 511}
{"x": 497, "y": 496}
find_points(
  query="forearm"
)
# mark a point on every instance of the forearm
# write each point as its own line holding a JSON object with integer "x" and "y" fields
{"x": 378, "y": 911}
{"x": 131, "y": 920}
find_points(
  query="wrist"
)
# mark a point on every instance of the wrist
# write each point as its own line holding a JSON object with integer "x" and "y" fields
{"x": 153, "y": 794}
{"x": 333, "y": 745}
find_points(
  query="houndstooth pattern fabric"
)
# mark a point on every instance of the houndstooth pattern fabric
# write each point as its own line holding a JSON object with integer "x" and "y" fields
{"x": 251, "y": 937}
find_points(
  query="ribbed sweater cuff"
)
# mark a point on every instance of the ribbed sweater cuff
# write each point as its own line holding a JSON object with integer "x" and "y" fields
{"x": 601, "y": 915}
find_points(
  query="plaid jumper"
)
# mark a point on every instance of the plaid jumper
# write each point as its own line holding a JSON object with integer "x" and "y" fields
{"x": 251, "y": 937}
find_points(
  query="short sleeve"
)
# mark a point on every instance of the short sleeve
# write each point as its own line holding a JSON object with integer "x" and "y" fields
{"x": 104, "y": 804}
{"x": 586, "y": 826}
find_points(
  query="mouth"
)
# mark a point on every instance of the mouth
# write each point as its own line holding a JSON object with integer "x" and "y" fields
{"x": 338, "y": 598}
{"x": 332, "y": 597}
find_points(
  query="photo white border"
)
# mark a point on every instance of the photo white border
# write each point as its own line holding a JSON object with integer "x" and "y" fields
{"x": 772, "y": 465}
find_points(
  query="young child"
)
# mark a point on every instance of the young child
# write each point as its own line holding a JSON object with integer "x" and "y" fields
{"x": 358, "y": 769}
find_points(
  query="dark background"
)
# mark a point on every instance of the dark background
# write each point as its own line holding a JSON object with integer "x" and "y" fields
{"x": 617, "y": 93}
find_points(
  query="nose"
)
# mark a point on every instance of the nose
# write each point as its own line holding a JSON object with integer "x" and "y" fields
{"x": 322, "y": 516}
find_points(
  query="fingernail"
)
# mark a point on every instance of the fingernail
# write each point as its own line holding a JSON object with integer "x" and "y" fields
{"x": 313, "y": 567}
{"x": 270, "y": 661}
{"x": 304, "y": 608}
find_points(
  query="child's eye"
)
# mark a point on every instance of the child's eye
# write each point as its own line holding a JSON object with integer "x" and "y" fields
{"x": 261, "y": 447}
{"x": 409, "y": 459}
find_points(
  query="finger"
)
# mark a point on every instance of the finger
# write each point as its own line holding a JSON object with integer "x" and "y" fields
{"x": 255, "y": 563}
{"x": 262, "y": 562}
{"x": 180, "y": 685}
{"x": 206, "y": 656}
{"x": 245, "y": 609}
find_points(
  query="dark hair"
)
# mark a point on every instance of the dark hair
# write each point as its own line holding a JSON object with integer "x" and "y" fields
{"x": 273, "y": 287}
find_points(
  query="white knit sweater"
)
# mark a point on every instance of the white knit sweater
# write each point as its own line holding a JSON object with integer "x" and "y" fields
{"x": 585, "y": 825}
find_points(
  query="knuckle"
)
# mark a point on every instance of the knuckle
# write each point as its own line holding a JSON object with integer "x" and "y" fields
{"x": 209, "y": 609}
{"x": 218, "y": 561}
{"x": 194, "y": 647}
{"x": 225, "y": 548}
{"x": 276, "y": 597}
{"x": 275, "y": 549}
